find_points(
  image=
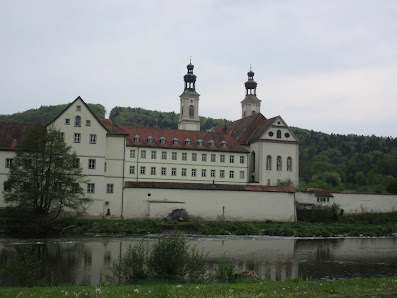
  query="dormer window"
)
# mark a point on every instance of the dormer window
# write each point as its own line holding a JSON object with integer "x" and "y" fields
{"x": 162, "y": 140}
{"x": 187, "y": 141}
{"x": 136, "y": 138}
{"x": 223, "y": 143}
{"x": 211, "y": 143}
{"x": 77, "y": 121}
{"x": 199, "y": 142}
{"x": 149, "y": 139}
{"x": 174, "y": 141}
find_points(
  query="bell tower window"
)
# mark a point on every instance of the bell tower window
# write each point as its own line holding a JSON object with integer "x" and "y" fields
{"x": 191, "y": 111}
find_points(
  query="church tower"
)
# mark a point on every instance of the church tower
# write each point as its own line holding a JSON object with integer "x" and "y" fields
{"x": 189, "y": 118}
{"x": 251, "y": 104}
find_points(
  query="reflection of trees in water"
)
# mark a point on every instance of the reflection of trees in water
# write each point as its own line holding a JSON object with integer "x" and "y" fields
{"x": 57, "y": 262}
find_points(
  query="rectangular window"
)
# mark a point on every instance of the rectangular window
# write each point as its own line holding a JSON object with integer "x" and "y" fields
{"x": 91, "y": 187}
{"x": 222, "y": 174}
{"x": 183, "y": 172}
{"x": 174, "y": 155}
{"x": 213, "y": 157}
{"x": 132, "y": 153}
{"x": 203, "y": 173}
{"x": 91, "y": 163}
{"x": 87, "y": 122}
{"x": 7, "y": 186}
{"x": 109, "y": 188}
{"x": 184, "y": 156}
{"x": 78, "y": 108}
{"x": 153, "y": 154}
{"x": 194, "y": 156}
{"x": 173, "y": 172}
{"x": 222, "y": 158}
{"x": 62, "y": 136}
{"x": 92, "y": 138}
{"x": 164, "y": 155}
{"x": 77, "y": 138}
{"x": 241, "y": 159}
{"x": 241, "y": 174}
{"x": 193, "y": 172}
{"x": 105, "y": 166}
{"x": 75, "y": 187}
{"x": 143, "y": 170}
{"x": 203, "y": 157}
{"x": 231, "y": 174}
{"x": 143, "y": 154}
{"x": 163, "y": 171}
{"x": 132, "y": 169}
{"x": 153, "y": 171}
{"x": 9, "y": 162}
{"x": 231, "y": 158}
{"x": 77, "y": 162}
{"x": 67, "y": 121}
{"x": 212, "y": 173}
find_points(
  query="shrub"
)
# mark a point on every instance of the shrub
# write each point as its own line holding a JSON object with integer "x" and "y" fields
{"x": 225, "y": 271}
{"x": 173, "y": 257}
{"x": 131, "y": 267}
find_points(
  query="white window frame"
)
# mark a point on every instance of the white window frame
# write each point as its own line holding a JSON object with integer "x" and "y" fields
{"x": 194, "y": 156}
{"x": 183, "y": 173}
{"x": 222, "y": 158}
{"x": 109, "y": 188}
{"x": 231, "y": 174}
{"x": 91, "y": 188}
{"x": 92, "y": 164}
{"x": 173, "y": 172}
{"x": 143, "y": 154}
{"x": 132, "y": 153}
{"x": 164, "y": 155}
{"x": 242, "y": 159}
{"x": 231, "y": 159}
{"x": 153, "y": 171}
{"x": 203, "y": 173}
{"x": 184, "y": 156}
{"x": 213, "y": 157}
{"x": 221, "y": 173}
{"x": 174, "y": 155}
{"x": 92, "y": 138}
{"x": 132, "y": 169}
{"x": 204, "y": 157}
{"x": 77, "y": 137}
{"x": 212, "y": 173}
{"x": 154, "y": 154}
{"x": 194, "y": 172}
{"x": 9, "y": 162}
{"x": 143, "y": 170}
{"x": 163, "y": 171}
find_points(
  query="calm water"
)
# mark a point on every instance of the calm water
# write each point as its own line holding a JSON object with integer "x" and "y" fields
{"x": 76, "y": 260}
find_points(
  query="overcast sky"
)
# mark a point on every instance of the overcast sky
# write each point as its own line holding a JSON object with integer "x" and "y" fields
{"x": 329, "y": 66}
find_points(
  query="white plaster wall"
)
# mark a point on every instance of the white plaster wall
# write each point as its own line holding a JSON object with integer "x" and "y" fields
{"x": 275, "y": 149}
{"x": 357, "y": 203}
{"x": 210, "y": 204}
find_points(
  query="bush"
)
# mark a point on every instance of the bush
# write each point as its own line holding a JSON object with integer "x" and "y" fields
{"x": 131, "y": 267}
{"x": 225, "y": 271}
{"x": 173, "y": 257}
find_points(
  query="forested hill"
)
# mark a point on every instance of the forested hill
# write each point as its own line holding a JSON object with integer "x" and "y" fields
{"x": 147, "y": 118}
{"x": 328, "y": 161}
{"x": 48, "y": 113}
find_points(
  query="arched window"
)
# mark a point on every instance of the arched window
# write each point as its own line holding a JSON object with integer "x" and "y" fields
{"x": 268, "y": 162}
{"x": 77, "y": 121}
{"x": 289, "y": 164}
{"x": 278, "y": 163}
{"x": 191, "y": 110}
{"x": 253, "y": 112}
{"x": 253, "y": 161}
{"x": 278, "y": 134}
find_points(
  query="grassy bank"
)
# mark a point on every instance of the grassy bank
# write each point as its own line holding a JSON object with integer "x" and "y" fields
{"x": 366, "y": 224}
{"x": 376, "y": 287}
{"x": 370, "y": 224}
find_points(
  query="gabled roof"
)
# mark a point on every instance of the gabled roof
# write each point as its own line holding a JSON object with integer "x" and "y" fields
{"x": 249, "y": 129}
{"x": 169, "y": 134}
{"x": 11, "y": 133}
{"x": 208, "y": 186}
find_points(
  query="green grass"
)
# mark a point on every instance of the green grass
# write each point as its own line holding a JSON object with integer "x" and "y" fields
{"x": 378, "y": 287}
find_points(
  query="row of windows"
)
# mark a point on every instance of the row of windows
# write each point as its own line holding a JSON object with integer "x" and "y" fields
{"x": 77, "y": 121}
{"x": 287, "y": 135}
{"x": 77, "y": 137}
{"x": 175, "y": 141}
{"x": 174, "y": 156}
{"x": 184, "y": 172}
{"x": 269, "y": 163}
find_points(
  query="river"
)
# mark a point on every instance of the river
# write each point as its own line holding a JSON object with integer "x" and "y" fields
{"x": 87, "y": 259}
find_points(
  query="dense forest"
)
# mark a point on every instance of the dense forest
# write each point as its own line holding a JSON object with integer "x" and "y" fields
{"x": 328, "y": 161}
{"x": 147, "y": 118}
{"x": 48, "y": 113}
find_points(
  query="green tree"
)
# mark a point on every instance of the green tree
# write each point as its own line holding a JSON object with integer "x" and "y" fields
{"x": 45, "y": 177}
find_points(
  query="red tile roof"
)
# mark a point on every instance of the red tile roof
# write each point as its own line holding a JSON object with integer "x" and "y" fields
{"x": 11, "y": 133}
{"x": 112, "y": 129}
{"x": 206, "y": 186}
{"x": 249, "y": 129}
{"x": 169, "y": 134}
{"x": 318, "y": 192}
